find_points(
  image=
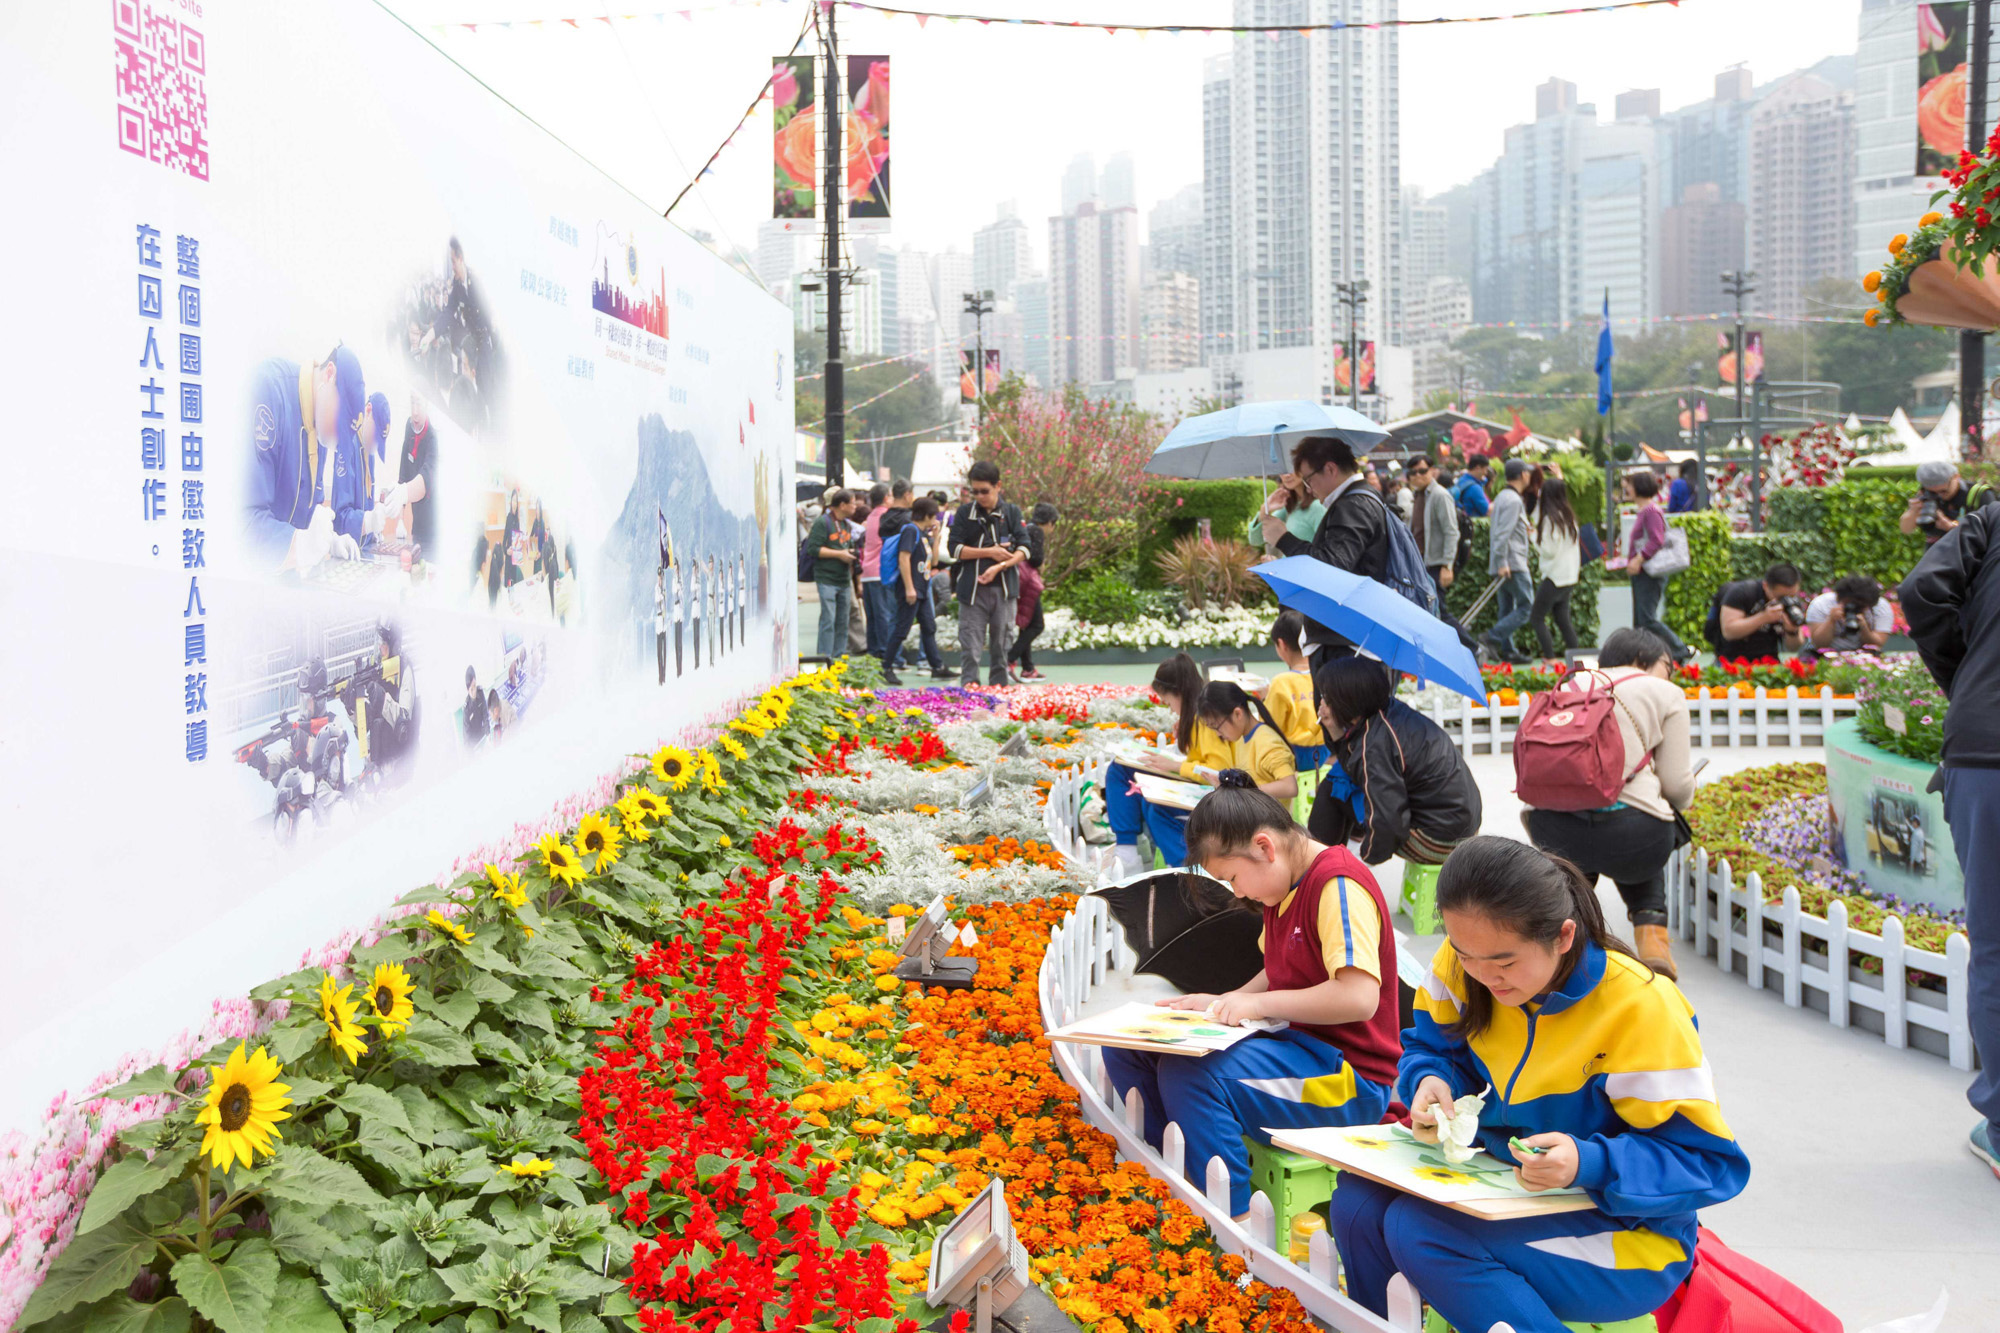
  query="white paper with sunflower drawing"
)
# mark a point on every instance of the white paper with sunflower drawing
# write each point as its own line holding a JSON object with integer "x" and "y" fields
{"x": 1390, "y": 1155}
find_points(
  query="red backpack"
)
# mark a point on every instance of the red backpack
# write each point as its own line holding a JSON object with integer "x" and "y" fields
{"x": 1727, "y": 1293}
{"x": 1568, "y": 753}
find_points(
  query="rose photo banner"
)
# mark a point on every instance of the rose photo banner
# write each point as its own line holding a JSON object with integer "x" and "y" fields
{"x": 867, "y": 138}
{"x": 795, "y": 138}
{"x": 1725, "y": 357}
{"x": 1942, "y": 84}
{"x": 413, "y": 473}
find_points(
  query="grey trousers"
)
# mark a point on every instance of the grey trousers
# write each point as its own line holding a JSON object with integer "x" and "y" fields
{"x": 988, "y": 618}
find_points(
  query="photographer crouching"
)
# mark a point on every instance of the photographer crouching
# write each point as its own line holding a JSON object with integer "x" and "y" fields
{"x": 1757, "y": 618}
{"x": 1942, "y": 501}
{"x": 1853, "y": 617}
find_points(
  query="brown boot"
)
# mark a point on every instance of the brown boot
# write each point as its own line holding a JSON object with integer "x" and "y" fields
{"x": 1656, "y": 950}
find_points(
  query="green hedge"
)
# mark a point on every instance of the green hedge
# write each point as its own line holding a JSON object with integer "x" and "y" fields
{"x": 1858, "y": 523}
{"x": 1472, "y": 581}
{"x": 1752, "y": 553}
{"x": 1710, "y": 566}
{"x": 1797, "y": 508}
{"x": 1178, "y": 509}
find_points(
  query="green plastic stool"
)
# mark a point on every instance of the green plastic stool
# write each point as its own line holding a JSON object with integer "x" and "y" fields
{"x": 1302, "y": 803}
{"x": 1294, "y": 1184}
{"x": 1419, "y": 897}
{"x": 1645, "y": 1323}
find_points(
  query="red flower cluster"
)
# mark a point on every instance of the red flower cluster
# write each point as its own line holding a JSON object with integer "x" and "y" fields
{"x": 789, "y": 847}
{"x": 922, "y": 749}
{"x": 703, "y": 1159}
{"x": 1044, "y": 707}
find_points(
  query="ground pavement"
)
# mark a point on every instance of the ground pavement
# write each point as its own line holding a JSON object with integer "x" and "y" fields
{"x": 1861, "y": 1188}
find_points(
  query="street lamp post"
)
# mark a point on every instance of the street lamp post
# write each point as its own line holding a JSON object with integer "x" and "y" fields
{"x": 1353, "y": 295}
{"x": 1972, "y": 342}
{"x": 979, "y": 305}
{"x": 1739, "y": 283}
{"x": 835, "y": 385}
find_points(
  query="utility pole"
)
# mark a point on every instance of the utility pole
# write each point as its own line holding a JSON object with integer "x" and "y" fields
{"x": 833, "y": 207}
{"x": 979, "y": 305}
{"x": 1972, "y": 342}
{"x": 1353, "y": 295}
{"x": 1738, "y": 283}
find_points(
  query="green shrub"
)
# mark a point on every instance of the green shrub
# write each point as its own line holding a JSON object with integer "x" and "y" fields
{"x": 1106, "y": 597}
{"x": 1178, "y": 508}
{"x": 1472, "y": 581}
{"x": 1860, "y": 514}
{"x": 1751, "y": 553}
{"x": 1797, "y": 508}
{"x": 1689, "y": 592}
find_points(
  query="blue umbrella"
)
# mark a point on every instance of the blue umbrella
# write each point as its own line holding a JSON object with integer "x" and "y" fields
{"x": 1255, "y": 439}
{"x": 1377, "y": 619}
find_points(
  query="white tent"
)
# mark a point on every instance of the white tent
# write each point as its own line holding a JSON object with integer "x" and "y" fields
{"x": 1940, "y": 445}
{"x": 1942, "y": 442}
{"x": 940, "y": 465}
{"x": 1852, "y": 426}
{"x": 1905, "y": 434}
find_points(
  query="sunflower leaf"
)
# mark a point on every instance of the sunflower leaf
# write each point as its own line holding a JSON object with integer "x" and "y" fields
{"x": 458, "y": 1008}
{"x": 297, "y": 1236}
{"x": 125, "y": 1315}
{"x": 488, "y": 1042}
{"x": 148, "y": 1083}
{"x": 488, "y": 989}
{"x": 373, "y": 1103}
{"x": 298, "y": 1307}
{"x": 128, "y": 1180}
{"x": 289, "y": 1041}
{"x": 93, "y": 1267}
{"x": 530, "y": 1009}
{"x": 432, "y": 1043}
{"x": 306, "y": 979}
{"x": 303, "y": 1176}
{"x": 234, "y": 1296}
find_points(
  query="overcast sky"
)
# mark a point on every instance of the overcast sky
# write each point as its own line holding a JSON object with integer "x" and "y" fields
{"x": 985, "y": 114}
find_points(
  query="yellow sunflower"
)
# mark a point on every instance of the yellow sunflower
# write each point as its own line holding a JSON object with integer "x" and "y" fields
{"x": 653, "y": 807}
{"x": 338, "y": 1011}
{"x": 734, "y": 748}
{"x": 632, "y": 819}
{"x": 537, "y": 1167}
{"x": 444, "y": 925}
{"x": 1442, "y": 1175}
{"x": 389, "y": 998}
{"x": 563, "y": 865}
{"x": 507, "y": 888}
{"x": 597, "y": 836}
{"x": 674, "y": 766}
{"x": 244, "y": 1103}
{"x": 711, "y": 773}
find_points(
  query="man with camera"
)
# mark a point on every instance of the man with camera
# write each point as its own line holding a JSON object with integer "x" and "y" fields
{"x": 1853, "y": 616}
{"x": 1943, "y": 500}
{"x": 1757, "y": 618}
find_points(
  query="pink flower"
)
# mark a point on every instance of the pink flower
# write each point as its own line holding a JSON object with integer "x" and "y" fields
{"x": 785, "y": 83}
{"x": 1931, "y": 35}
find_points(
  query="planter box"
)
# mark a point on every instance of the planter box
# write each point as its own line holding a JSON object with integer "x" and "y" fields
{"x": 1890, "y": 828}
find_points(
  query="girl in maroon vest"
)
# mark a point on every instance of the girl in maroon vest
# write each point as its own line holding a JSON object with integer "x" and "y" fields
{"x": 1329, "y": 972}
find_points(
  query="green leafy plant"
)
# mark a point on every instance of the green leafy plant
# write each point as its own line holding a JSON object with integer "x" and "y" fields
{"x": 1175, "y": 509}
{"x": 1685, "y": 607}
{"x": 1209, "y": 571}
{"x": 1902, "y": 710}
{"x": 1859, "y": 523}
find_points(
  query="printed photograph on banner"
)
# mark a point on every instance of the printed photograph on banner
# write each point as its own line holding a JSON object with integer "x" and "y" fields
{"x": 1343, "y": 375}
{"x": 867, "y": 136}
{"x": 449, "y": 345}
{"x": 1725, "y": 356}
{"x": 1941, "y": 85}
{"x": 524, "y": 559}
{"x": 321, "y": 718}
{"x": 795, "y": 140}
{"x": 501, "y": 686}
{"x": 968, "y": 392}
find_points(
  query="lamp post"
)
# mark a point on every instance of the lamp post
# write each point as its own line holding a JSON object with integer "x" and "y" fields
{"x": 979, "y": 305}
{"x": 1353, "y": 295}
{"x": 835, "y": 384}
{"x": 1972, "y": 342}
{"x": 1739, "y": 283}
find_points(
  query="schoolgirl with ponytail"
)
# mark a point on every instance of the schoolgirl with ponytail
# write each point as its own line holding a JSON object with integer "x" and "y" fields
{"x": 1256, "y": 745}
{"x": 1177, "y": 684}
{"x": 1588, "y": 1059}
{"x": 1329, "y": 972}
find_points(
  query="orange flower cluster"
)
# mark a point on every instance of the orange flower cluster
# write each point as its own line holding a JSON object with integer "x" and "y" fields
{"x": 998, "y": 851}
{"x": 969, "y": 1093}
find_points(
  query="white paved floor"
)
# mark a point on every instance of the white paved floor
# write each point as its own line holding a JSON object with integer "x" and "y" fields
{"x": 1862, "y": 1190}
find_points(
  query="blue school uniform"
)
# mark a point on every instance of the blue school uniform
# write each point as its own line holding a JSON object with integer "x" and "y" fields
{"x": 285, "y": 461}
{"x": 1613, "y": 1059}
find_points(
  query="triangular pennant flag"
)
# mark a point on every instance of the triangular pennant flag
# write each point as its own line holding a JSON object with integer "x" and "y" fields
{"x": 922, "y": 19}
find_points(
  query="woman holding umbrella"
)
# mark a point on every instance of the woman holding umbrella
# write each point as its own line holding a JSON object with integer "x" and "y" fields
{"x": 1353, "y": 535}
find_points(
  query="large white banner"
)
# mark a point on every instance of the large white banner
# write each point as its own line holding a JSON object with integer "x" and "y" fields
{"x": 378, "y": 475}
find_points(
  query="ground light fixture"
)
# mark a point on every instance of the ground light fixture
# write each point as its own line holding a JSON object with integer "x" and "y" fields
{"x": 978, "y": 1263}
{"x": 925, "y": 947}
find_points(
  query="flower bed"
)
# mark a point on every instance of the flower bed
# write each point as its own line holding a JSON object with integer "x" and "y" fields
{"x": 1739, "y": 818}
{"x": 1229, "y": 627}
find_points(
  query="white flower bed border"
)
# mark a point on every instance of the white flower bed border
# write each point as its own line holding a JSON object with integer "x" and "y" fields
{"x": 1715, "y": 717}
{"x": 1234, "y": 627}
{"x": 1786, "y": 948}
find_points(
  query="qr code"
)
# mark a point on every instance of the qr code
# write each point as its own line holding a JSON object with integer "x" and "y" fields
{"x": 162, "y": 87}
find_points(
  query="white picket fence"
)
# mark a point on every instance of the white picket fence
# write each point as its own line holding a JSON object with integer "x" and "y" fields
{"x": 1062, "y": 817}
{"x": 1770, "y": 717}
{"x": 1817, "y": 955}
{"x": 1085, "y": 950}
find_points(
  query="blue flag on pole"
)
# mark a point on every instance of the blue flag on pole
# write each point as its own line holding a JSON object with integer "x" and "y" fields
{"x": 1604, "y": 358}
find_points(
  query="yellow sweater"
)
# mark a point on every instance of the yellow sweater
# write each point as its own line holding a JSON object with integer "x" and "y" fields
{"x": 1290, "y": 700}
{"x": 1207, "y": 750}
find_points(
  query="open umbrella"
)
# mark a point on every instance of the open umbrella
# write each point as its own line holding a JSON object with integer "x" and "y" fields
{"x": 1255, "y": 439}
{"x": 1187, "y": 928}
{"x": 1376, "y": 619}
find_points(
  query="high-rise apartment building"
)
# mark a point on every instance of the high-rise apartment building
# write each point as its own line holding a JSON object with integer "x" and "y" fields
{"x": 1002, "y": 254}
{"x": 1701, "y": 237}
{"x": 1118, "y": 183}
{"x": 951, "y": 280}
{"x": 1031, "y": 304}
{"x": 1169, "y": 323}
{"x": 780, "y": 254}
{"x": 1302, "y": 188}
{"x": 1801, "y": 190}
{"x": 1438, "y": 313}
{"x": 1093, "y": 293}
{"x": 1426, "y": 242}
{"x": 1079, "y": 182}
{"x": 1173, "y": 233}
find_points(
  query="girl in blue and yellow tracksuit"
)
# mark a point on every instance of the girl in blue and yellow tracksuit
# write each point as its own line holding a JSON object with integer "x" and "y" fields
{"x": 1592, "y": 1059}
{"x": 1178, "y": 684}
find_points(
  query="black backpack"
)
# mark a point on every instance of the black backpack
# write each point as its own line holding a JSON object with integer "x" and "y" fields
{"x": 808, "y": 555}
{"x": 1711, "y": 628}
{"x": 1464, "y": 552}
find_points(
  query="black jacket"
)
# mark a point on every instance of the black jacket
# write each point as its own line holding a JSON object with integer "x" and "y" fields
{"x": 1411, "y": 776}
{"x": 1353, "y": 535}
{"x": 1952, "y": 601}
{"x": 973, "y": 526}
